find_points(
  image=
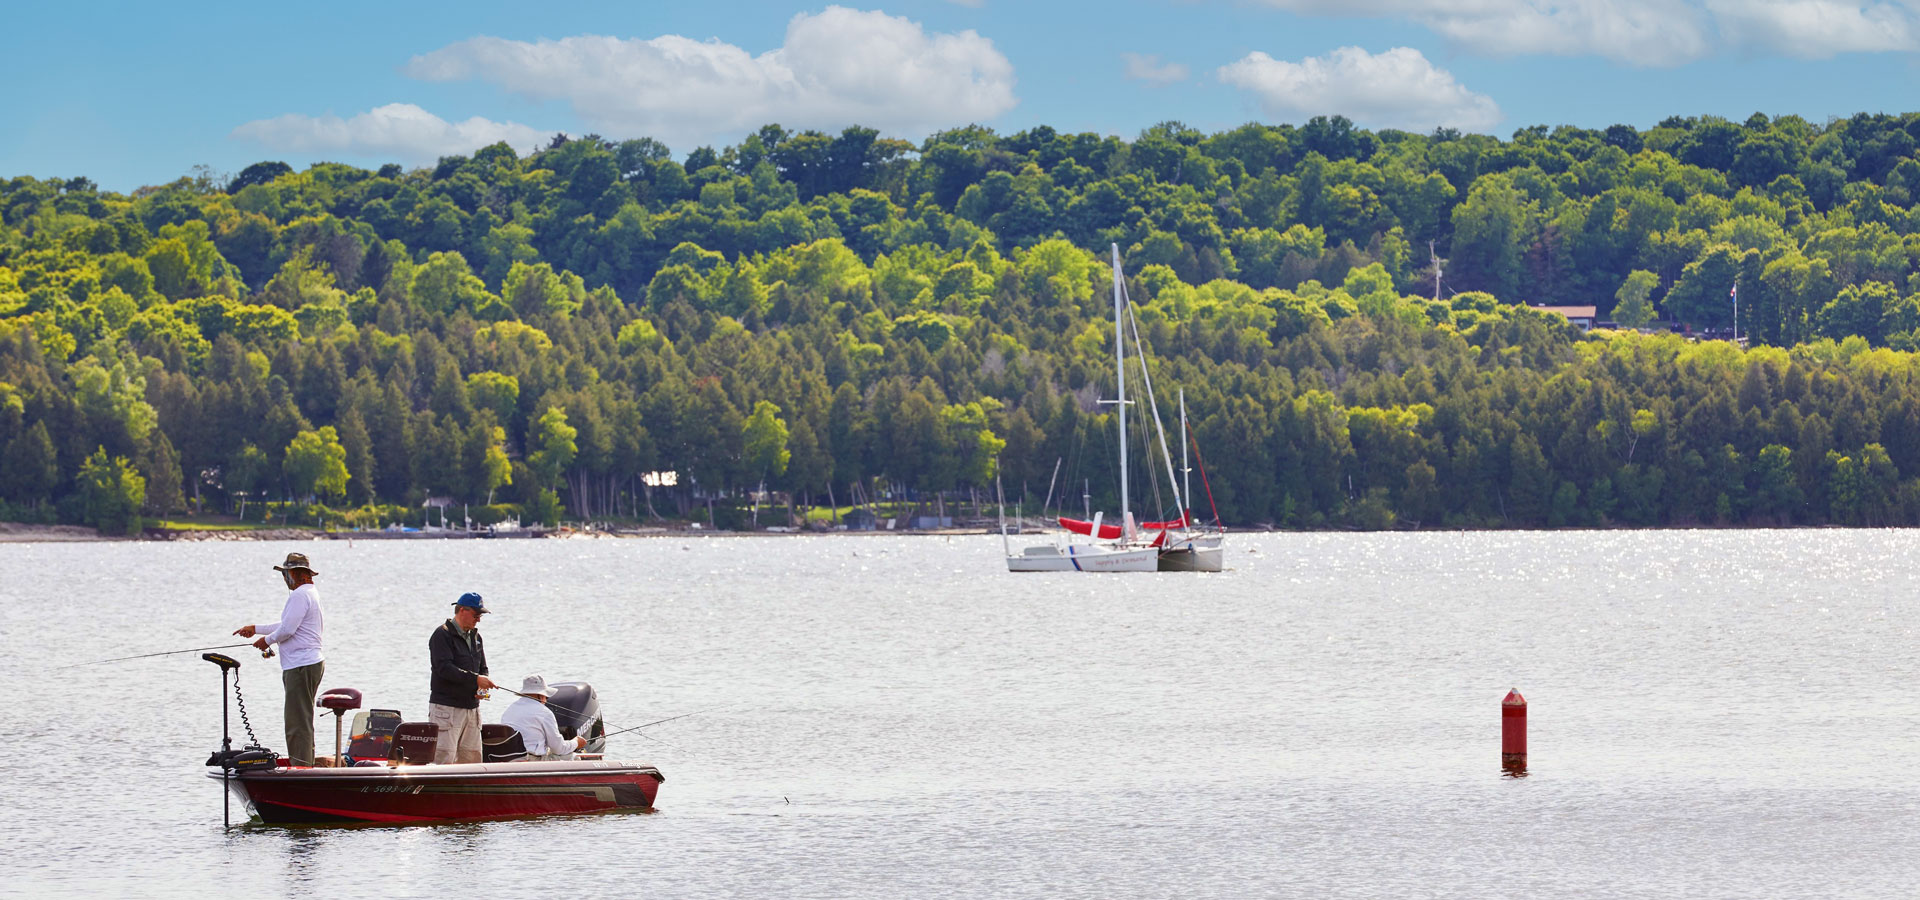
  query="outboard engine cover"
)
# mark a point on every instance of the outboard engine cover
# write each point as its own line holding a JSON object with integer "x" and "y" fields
{"x": 576, "y": 708}
{"x": 414, "y": 743}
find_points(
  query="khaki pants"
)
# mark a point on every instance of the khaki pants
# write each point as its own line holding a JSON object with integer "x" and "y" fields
{"x": 459, "y": 734}
{"x": 302, "y": 684}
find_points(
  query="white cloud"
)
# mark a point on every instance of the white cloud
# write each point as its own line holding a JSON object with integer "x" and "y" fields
{"x": 1644, "y": 32}
{"x": 836, "y": 68}
{"x": 1815, "y": 29}
{"x": 1395, "y": 89}
{"x": 1148, "y": 68}
{"x": 396, "y": 130}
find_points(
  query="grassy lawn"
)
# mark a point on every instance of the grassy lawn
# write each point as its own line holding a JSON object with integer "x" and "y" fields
{"x": 208, "y": 523}
{"x": 828, "y": 513}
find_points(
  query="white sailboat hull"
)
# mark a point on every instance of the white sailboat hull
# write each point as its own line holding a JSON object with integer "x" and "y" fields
{"x": 1198, "y": 553}
{"x": 1192, "y": 559}
{"x": 1086, "y": 558}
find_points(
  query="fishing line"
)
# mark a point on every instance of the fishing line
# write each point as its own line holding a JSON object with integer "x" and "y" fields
{"x": 661, "y": 721}
{"x": 151, "y": 655}
{"x": 604, "y": 734}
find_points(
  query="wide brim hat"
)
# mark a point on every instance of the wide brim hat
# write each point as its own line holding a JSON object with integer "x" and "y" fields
{"x": 535, "y": 686}
{"x": 295, "y": 561}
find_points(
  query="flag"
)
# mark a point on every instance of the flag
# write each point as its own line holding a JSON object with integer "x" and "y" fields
{"x": 1735, "y": 293}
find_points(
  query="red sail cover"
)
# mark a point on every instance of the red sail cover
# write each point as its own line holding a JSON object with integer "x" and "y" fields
{"x": 1107, "y": 532}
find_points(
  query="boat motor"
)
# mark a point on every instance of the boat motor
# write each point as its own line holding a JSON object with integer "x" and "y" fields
{"x": 339, "y": 700}
{"x": 576, "y": 709}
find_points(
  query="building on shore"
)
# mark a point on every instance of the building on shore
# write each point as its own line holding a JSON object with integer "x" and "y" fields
{"x": 1582, "y": 316}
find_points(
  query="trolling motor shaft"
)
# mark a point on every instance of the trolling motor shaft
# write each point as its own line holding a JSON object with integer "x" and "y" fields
{"x": 226, "y": 664}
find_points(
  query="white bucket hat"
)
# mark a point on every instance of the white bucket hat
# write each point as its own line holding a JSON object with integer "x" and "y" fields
{"x": 535, "y": 686}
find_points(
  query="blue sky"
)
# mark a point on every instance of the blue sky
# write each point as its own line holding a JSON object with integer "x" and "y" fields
{"x": 133, "y": 96}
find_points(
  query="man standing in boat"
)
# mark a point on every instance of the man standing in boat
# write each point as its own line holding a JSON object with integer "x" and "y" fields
{"x": 301, "y": 663}
{"x": 459, "y": 675}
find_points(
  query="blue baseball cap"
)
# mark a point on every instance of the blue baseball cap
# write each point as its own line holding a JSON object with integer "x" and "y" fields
{"x": 471, "y": 599}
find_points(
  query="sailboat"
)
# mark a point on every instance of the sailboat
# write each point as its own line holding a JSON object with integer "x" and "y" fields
{"x": 1184, "y": 545}
{"x": 1192, "y": 547}
{"x": 1126, "y": 545}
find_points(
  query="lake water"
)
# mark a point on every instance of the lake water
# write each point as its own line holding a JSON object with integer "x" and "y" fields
{"x": 1714, "y": 714}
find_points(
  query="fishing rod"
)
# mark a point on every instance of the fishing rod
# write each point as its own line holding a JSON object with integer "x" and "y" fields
{"x": 657, "y": 722}
{"x": 265, "y": 654}
{"x": 607, "y": 734}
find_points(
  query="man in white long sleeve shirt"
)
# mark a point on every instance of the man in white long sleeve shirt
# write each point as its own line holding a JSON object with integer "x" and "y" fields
{"x": 539, "y": 731}
{"x": 297, "y": 635}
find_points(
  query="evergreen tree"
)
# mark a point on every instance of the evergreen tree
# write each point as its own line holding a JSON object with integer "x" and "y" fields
{"x": 33, "y": 469}
{"x": 162, "y": 465}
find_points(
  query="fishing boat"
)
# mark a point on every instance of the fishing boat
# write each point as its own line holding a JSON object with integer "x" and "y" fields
{"x": 387, "y": 774}
{"x": 1179, "y": 545}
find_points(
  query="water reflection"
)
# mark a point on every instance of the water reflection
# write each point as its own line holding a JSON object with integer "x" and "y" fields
{"x": 299, "y": 850}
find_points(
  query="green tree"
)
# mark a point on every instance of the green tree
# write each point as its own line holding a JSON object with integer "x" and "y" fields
{"x": 1631, "y": 307}
{"x": 483, "y": 458}
{"x": 33, "y": 469}
{"x": 361, "y": 463}
{"x": 164, "y": 494}
{"x": 1489, "y": 235}
{"x": 552, "y": 443}
{"x": 1776, "y": 491}
{"x": 544, "y": 508}
{"x": 494, "y": 391}
{"x": 764, "y": 437}
{"x": 113, "y": 493}
{"x": 316, "y": 463}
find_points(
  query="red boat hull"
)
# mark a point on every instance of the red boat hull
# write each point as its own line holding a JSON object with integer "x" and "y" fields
{"x": 424, "y": 794}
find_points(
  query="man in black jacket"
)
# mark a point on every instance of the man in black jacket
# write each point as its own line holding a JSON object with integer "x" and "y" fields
{"x": 459, "y": 675}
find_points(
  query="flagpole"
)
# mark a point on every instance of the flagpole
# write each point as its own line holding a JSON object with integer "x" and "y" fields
{"x": 1736, "y": 311}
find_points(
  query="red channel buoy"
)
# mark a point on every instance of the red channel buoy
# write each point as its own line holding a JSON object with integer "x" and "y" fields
{"x": 1513, "y": 734}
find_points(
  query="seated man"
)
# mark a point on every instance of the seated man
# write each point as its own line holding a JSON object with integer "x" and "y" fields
{"x": 539, "y": 731}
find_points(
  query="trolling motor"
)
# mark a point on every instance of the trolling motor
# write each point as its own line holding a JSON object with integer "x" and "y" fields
{"x": 230, "y": 761}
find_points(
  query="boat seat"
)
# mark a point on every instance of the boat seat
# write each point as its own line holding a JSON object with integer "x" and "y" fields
{"x": 372, "y": 735}
{"x": 501, "y": 743}
{"x": 340, "y": 699}
{"x": 414, "y": 743}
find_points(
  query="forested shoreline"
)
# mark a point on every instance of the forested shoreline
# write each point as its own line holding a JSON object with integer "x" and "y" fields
{"x": 530, "y": 335}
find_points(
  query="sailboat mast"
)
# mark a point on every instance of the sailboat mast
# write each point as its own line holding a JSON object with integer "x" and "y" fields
{"x": 1186, "y": 470}
{"x": 1120, "y": 377}
{"x": 1000, "y": 495}
{"x": 1146, "y": 378}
